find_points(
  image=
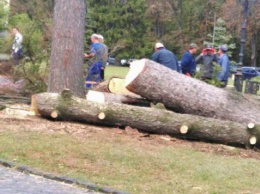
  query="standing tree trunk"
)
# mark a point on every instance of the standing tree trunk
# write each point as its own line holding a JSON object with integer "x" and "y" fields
{"x": 188, "y": 95}
{"x": 254, "y": 49}
{"x": 66, "y": 68}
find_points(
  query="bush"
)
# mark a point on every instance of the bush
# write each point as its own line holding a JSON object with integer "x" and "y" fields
{"x": 214, "y": 81}
{"x": 33, "y": 68}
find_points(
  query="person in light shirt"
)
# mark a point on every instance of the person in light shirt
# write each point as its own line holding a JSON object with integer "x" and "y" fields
{"x": 17, "y": 51}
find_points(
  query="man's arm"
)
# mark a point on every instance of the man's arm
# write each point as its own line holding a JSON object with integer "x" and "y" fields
{"x": 199, "y": 58}
{"x": 215, "y": 58}
{"x": 92, "y": 52}
{"x": 91, "y": 55}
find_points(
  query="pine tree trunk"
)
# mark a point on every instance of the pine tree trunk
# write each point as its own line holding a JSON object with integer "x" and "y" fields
{"x": 187, "y": 95}
{"x": 66, "y": 68}
{"x": 67, "y": 107}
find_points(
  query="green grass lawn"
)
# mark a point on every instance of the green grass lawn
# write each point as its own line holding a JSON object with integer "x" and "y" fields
{"x": 115, "y": 71}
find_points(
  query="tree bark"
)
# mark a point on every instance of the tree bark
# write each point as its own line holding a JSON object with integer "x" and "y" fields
{"x": 66, "y": 68}
{"x": 146, "y": 119}
{"x": 101, "y": 97}
{"x": 188, "y": 95}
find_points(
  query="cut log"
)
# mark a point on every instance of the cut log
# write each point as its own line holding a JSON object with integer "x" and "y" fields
{"x": 250, "y": 125}
{"x": 150, "y": 120}
{"x": 184, "y": 129}
{"x": 54, "y": 114}
{"x": 117, "y": 86}
{"x": 102, "y": 97}
{"x": 252, "y": 140}
{"x": 101, "y": 87}
{"x": 101, "y": 116}
{"x": 188, "y": 95}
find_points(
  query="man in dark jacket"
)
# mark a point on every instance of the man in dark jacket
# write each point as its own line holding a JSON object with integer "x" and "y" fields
{"x": 165, "y": 57}
{"x": 188, "y": 64}
{"x": 206, "y": 58}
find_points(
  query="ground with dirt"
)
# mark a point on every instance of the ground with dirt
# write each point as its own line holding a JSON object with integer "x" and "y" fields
{"x": 9, "y": 84}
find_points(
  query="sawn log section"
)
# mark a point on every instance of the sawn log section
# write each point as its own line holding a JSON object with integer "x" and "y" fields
{"x": 67, "y": 107}
{"x": 187, "y": 95}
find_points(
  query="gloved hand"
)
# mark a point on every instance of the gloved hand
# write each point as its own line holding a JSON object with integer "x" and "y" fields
{"x": 203, "y": 52}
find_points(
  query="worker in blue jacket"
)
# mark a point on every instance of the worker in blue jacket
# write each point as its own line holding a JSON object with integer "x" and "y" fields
{"x": 95, "y": 57}
{"x": 224, "y": 63}
{"x": 165, "y": 57}
{"x": 188, "y": 64}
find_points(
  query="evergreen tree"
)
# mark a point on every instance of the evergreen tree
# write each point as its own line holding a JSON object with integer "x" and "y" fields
{"x": 221, "y": 37}
{"x": 4, "y": 7}
{"x": 124, "y": 26}
{"x": 89, "y": 24}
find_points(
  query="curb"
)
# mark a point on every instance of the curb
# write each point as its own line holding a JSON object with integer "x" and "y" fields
{"x": 82, "y": 184}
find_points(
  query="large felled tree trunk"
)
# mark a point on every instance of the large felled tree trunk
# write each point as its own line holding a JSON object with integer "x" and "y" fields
{"x": 187, "y": 95}
{"x": 66, "y": 70}
{"x": 151, "y": 120}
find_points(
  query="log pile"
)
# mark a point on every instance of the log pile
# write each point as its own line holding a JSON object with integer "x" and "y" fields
{"x": 195, "y": 110}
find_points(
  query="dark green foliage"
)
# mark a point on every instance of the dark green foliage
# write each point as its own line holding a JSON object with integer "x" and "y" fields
{"x": 130, "y": 28}
{"x": 221, "y": 37}
{"x": 124, "y": 26}
{"x": 3, "y": 15}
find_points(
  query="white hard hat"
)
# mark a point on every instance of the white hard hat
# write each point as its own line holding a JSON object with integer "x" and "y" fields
{"x": 101, "y": 37}
{"x": 159, "y": 45}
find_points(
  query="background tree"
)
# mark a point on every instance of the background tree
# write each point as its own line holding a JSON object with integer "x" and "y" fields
{"x": 124, "y": 26}
{"x": 4, "y": 8}
{"x": 66, "y": 70}
{"x": 131, "y": 27}
{"x": 33, "y": 18}
{"x": 221, "y": 36}
{"x": 233, "y": 15}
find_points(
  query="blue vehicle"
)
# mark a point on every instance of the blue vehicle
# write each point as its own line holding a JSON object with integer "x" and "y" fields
{"x": 250, "y": 72}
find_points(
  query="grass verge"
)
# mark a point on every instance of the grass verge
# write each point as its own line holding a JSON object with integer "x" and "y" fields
{"x": 115, "y": 71}
{"x": 131, "y": 165}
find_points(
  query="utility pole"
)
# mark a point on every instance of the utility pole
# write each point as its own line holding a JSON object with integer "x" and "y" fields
{"x": 214, "y": 30}
{"x": 238, "y": 82}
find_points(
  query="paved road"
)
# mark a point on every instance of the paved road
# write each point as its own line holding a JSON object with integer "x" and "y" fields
{"x": 14, "y": 182}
